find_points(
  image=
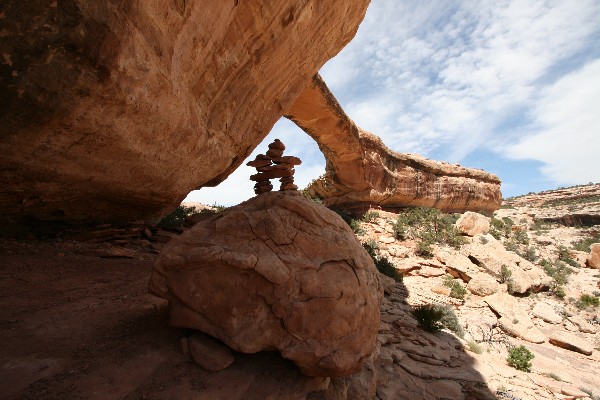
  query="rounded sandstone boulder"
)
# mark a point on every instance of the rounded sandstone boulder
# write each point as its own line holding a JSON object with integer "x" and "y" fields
{"x": 277, "y": 272}
{"x": 472, "y": 223}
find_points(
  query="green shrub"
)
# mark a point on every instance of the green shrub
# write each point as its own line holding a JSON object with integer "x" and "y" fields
{"x": 511, "y": 245}
{"x": 381, "y": 262}
{"x": 176, "y": 218}
{"x": 356, "y": 228}
{"x": 433, "y": 317}
{"x": 501, "y": 227}
{"x": 424, "y": 248}
{"x": 587, "y": 300}
{"x": 521, "y": 237}
{"x": 530, "y": 254}
{"x": 505, "y": 274}
{"x": 450, "y": 320}
{"x": 428, "y": 225}
{"x": 370, "y": 216}
{"x": 520, "y": 358}
{"x": 566, "y": 256}
{"x": 457, "y": 291}
{"x": 558, "y": 270}
{"x": 429, "y": 317}
{"x": 474, "y": 347}
{"x": 584, "y": 244}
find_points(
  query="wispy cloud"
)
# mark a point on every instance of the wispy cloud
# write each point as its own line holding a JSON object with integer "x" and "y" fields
{"x": 565, "y": 133}
{"x": 457, "y": 80}
{"x": 448, "y": 78}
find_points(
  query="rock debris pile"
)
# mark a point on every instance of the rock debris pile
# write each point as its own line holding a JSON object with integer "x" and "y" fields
{"x": 274, "y": 165}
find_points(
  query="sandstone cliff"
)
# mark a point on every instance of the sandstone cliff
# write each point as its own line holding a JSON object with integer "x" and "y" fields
{"x": 361, "y": 170}
{"x": 117, "y": 110}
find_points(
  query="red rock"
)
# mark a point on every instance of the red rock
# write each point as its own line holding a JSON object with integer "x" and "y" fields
{"x": 263, "y": 176}
{"x": 275, "y": 153}
{"x": 150, "y": 100}
{"x": 288, "y": 186}
{"x": 274, "y": 167}
{"x": 277, "y": 144}
{"x": 276, "y": 272}
{"x": 208, "y": 353}
{"x": 287, "y": 160}
{"x": 259, "y": 163}
{"x": 361, "y": 169}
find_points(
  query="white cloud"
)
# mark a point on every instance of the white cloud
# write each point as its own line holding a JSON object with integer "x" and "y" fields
{"x": 565, "y": 135}
{"x": 446, "y": 78}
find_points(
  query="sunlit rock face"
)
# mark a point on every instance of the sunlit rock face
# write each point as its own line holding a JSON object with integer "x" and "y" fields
{"x": 362, "y": 171}
{"x": 115, "y": 110}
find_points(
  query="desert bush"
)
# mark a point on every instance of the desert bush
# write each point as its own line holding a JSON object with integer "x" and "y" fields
{"x": 311, "y": 197}
{"x": 457, "y": 291}
{"x": 381, "y": 262}
{"x": 429, "y": 317}
{"x": 511, "y": 245}
{"x": 424, "y": 248}
{"x": 584, "y": 244}
{"x": 558, "y": 270}
{"x": 587, "y": 300}
{"x": 370, "y": 216}
{"x": 433, "y": 317}
{"x": 521, "y": 237}
{"x": 429, "y": 226}
{"x": 520, "y": 358}
{"x": 357, "y": 228}
{"x": 530, "y": 254}
{"x": 565, "y": 255}
{"x": 176, "y": 218}
{"x": 505, "y": 274}
{"x": 474, "y": 347}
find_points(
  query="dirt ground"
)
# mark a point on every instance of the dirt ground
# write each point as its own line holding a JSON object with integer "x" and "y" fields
{"x": 77, "y": 322}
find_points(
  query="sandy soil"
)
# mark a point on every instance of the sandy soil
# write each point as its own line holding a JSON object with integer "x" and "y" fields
{"x": 77, "y": 325}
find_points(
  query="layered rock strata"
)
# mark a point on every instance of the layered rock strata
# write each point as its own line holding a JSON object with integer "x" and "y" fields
{"x": 115, "y": 111}
{"x": 362, "y": 170}
{"x": 276, "y": 272}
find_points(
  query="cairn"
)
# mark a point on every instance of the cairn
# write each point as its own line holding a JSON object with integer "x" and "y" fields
{"x": 274, "y": 165}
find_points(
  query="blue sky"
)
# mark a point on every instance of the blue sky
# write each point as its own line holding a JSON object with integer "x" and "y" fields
{"x": 512, "y": 87}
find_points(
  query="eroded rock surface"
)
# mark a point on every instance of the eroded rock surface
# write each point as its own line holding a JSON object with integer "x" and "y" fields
{"x": 115, "y": 111}
{"x": 471, "y": 224}
{"x": 276, "y": 272}
{"x": 361, "y": 170}
{"x": 492, "y": 257}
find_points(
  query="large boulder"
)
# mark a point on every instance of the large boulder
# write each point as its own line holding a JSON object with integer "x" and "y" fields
{"x": 116, "y": 110}
{"x": 492, "y": 257}
{"x": 472, "y": 223}
{"x": 276, "y": 272}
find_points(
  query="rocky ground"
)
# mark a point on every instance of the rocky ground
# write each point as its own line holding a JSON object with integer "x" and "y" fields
{"x": 77, "y": 320}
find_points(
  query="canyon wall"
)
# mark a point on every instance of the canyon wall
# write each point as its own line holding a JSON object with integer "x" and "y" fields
{"x": 361, "y": 171}
{"x": 116, "y": 110}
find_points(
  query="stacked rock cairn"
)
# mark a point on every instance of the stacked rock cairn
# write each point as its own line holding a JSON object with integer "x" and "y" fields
{"x": 274, "y": 165}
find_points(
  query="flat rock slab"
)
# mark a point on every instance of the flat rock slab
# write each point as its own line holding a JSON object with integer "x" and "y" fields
{"x": 514, "y": 319}
{"x": 571, "y": 342}
{"x": 546, "y": 312}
